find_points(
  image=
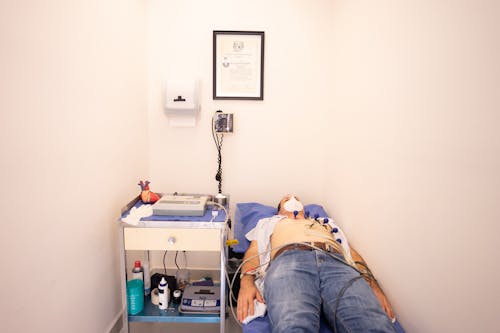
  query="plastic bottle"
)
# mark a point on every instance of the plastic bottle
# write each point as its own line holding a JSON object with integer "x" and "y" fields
{"x": 164, "y": 294}
{"x": 135, "y": 297}
{"x": 147, "y": 278}
{"x": 138, "y": 271}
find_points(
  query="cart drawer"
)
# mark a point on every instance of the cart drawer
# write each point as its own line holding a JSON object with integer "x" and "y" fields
{"x": 172, "y": 239}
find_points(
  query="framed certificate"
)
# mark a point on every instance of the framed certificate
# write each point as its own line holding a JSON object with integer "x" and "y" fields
{"x": 238, "y": 65}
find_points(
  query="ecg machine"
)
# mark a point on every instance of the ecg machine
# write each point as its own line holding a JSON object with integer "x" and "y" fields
{"x": 181, "y": 205}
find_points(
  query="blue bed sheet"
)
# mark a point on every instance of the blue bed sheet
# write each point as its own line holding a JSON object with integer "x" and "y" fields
{"x": 262, "y": 325}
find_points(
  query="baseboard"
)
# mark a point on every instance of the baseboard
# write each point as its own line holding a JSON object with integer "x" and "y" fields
{"x": 116, "y": 325}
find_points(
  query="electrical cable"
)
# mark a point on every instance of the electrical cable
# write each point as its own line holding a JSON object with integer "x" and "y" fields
{"x": 175, "y": 260}
{"x": 339, "y": 296}
{"x": 177, "y": 265}
{"x": 164, "y": 266}
{"x": 222, "y": 207}
{"x": 218, "y": 139}
{"x": 218, "y": 176}
{"x": 367, "y": 272}
{"x": 226, "y": 219}
{"x": 231, "y": 294}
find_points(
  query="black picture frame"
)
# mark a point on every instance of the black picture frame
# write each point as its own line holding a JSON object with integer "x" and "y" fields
{"x": 238, "y": 65}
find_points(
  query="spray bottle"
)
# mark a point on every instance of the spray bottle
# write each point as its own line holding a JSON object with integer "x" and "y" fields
{"x": 164, "y": 294}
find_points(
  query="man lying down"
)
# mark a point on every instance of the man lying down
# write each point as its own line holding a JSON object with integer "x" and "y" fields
{"x": 303, "y": 267}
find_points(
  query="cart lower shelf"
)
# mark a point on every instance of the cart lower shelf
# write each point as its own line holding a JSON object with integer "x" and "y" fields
{"x": 152, "y": 313}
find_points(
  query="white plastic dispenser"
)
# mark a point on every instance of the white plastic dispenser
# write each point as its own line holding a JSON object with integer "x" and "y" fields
{"x": 181, "y": 103}
{"x": 164, "y": 294}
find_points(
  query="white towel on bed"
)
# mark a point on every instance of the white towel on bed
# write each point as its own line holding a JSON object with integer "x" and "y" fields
{"x": 259, "y": 310}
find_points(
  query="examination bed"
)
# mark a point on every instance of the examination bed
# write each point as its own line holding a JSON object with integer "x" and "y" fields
{"x": 246, "y": 217}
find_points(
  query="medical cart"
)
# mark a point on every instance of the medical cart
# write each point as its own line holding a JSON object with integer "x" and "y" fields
{"x": 167, "y": 233}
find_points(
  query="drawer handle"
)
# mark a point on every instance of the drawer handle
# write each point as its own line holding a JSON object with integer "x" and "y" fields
{"x": 171, "y": 240}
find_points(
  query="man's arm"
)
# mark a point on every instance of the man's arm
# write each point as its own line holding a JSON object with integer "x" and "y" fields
{"x": 363, "y": 267}
{"x": 248, "y": 291}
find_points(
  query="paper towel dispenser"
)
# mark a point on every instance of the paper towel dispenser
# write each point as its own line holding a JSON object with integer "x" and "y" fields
{"x": 181, "y": 104}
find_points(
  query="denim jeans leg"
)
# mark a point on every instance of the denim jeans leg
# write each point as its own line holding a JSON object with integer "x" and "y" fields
{"x": 358, "y": 309}
{"x": 291, "y": 292}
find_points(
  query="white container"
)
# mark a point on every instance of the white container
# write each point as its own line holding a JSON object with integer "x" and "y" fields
{"x": 164, "y": 294}
{"x": 147, "y": 278}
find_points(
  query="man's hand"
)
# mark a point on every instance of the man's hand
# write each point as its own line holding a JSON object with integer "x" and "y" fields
{"x": 248, "y": 292}
{"x": 379, "y": 293}
{"x": 382, "y": 299}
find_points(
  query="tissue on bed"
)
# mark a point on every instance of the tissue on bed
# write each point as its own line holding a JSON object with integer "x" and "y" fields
{"x": 259, "y": 310}
{"x": 249, "y": 213}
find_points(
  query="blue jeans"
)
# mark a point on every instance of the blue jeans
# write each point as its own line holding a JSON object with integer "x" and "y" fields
{"x": 300, "y": 285}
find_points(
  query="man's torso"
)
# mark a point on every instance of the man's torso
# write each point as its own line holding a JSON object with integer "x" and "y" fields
{"x": 299, "y": 230}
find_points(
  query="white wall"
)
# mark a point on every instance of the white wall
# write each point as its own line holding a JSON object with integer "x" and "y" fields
{"x": 274, "y": 149}
{"x": 415, "y": 154}
{"x": 73, "y": 142}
